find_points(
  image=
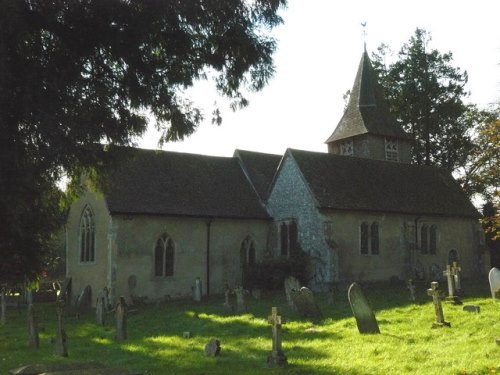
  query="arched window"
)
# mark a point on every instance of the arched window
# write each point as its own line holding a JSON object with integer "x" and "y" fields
{"x": 289, "y": 241}
{"x": 424, "y": 238}
{"x": 432, "y": 239}
{"x": 164, "y": 256}
{"x": 374, "y": 238}
{"x": 247, "y": 252}
{"x": 87, "y": 236}
{"x": 369, "y": 242}
{"x": 364, "y": 238}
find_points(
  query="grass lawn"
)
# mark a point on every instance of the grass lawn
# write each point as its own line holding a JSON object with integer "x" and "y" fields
{"x": 407, "y": 344}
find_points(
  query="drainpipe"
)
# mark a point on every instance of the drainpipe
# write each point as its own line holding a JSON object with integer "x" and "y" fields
{"x": 209, "y": 224}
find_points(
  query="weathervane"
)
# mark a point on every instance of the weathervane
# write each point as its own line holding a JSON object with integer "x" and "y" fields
{"x": 364, "y": 33}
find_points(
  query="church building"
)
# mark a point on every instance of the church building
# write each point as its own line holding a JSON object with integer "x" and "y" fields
{"x": 361, "y": 211}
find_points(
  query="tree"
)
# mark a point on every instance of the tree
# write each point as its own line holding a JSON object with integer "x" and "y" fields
{"x": 426, "y": 94}
{"x": 74, "y": 73}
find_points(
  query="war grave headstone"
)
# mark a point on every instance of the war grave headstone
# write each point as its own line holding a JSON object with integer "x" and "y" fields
{"x": 121, "y": 320}
{"x": 411, "y": 287}
{"x": 212, "y": 348}
{"x": 494, "y": 279}
{"x": 456, "y": 270}
{"x": 61, "y": 347}
{"x": 291, "y": 283}
{"x": 33, "y": 338}
{"x": 277, "y": 358}
{"x": 306, "y": 305}
{"x": 363, "y": 313}
{"x": 197, "y": 290}
{"x": 241, "y": 305}
{"x": 452, "y": 298}
{"x": 435, "y": 293}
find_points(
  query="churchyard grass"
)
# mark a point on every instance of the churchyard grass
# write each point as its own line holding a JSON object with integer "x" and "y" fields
{"x": 156, "y": 345}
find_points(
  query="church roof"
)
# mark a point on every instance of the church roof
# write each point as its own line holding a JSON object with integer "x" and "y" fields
{"x": 260, "y": 169}
{"x": 171, "y": 183}
{"x": 367, "y": 111}
{"x": 351, "y": 183}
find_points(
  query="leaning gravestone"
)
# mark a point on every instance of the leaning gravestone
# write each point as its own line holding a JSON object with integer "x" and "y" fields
{"x": 33, "y": 339}
{"x": 363, "y": 313}
{"x": 306, "y": 305}
{"x": 291, "y": 283}
{"x": 494, "y": 279}
{"x": 212, "y": 348}
{"x": 121, "y": 320}
{"x": 83, "y": 300}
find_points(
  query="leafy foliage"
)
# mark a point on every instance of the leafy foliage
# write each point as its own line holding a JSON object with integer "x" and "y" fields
{"x": 76, "y": 73}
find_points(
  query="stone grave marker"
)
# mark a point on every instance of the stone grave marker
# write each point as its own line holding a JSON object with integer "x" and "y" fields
{"x": 227, "y": 302}
{"x": 241, "y": 305}
{"x": 277, "y": 358}
{"x": 306, "y": 305}
{"x": 452, "y": 298}
{"x": 363, "y": 313}
{"x": 121, "y": 320}
{"x": 291, "y": 283}
{"x": 494, "y": 279}
{"x": 435, "y": 293}
{"x": 456, "y": 270}
{"x": 197, "y": 290}
{"x": 83, "y": 300}
{"x": 99, "y": 311}
{"x": 472, "y": 308}
{"x": 411, "y": 287}
{"x": 212, "y": 348}
{"x": 33, "y": 339}
{"x": 61, "y": 347}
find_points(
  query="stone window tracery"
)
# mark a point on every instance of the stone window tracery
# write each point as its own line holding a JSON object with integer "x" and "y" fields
{"x": 87, "y": 236}
{"x": 164, "y": 256}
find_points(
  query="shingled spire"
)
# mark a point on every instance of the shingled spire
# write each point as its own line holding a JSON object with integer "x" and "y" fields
{"x": 368, "y": 128}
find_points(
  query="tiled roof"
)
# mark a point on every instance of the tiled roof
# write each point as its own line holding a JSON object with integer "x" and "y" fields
{"x": 260, "y": 169}
{"x": 351, "y": 183}
{"x": 367, "y": 111}
{"x": 171, "y": 183}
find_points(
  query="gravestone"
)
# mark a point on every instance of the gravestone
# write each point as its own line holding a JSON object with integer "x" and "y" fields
{"x": 435, "y": 293}
{"x": 363, "y": 313}
{"x": 61, "y": 348}
{"x": 33, "y": 339}
{"x": 83, "y": 300}
{"x": 291, "y": 283}
{"x": 452, "y": 298}
{"x": 99, "y": 311}
{"x": 121, "y": 320}
{"x": 212, "y": 348}
{"x": 472, "y": 308}
{"x": 197, "y": 290}
{"x": 411, "y": 287}
{"x": 241, "y": 305}
{"x": 494, "y": 279}
{"x": 277, "y": 358}
{"x": 456, "y": 270}
{"x": 3, "y": 307}
{"x": 107, "y": 302}
{"x": 227, "y": 303}
{"x": 306, "y": 305}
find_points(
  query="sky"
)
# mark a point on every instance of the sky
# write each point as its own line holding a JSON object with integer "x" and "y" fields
{"x": 319, "y": 48}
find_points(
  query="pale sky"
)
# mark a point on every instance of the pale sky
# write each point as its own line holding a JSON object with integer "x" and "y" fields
{"x": 319, "y": 48}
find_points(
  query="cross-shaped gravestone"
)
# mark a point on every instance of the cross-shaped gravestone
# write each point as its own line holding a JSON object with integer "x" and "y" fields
{"x": 435, "y": 293}
{"x": 61, "y": 348}
{"x": 411, "y": 287}
{"x": 277, "y": 358}
{"x": 33, "y": 340}
{"x": 121, "y": 320}
{"x": 455, "y": 270}
{"x": 452, "y": 298}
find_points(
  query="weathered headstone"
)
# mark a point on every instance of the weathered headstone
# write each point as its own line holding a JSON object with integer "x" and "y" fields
{"x": 83, "y": 300}
{"x": 291, "y": 283}
{"x": 99, "y": 310}
{"x": 197, "y": 290}
{"x": 61, "y": 347}
{"x": 241, "y": 305}
{"x": 494, "y": 279}
{"x": 456, "y": 270}
{"x": 212, "y": 348}
{"x": 411, "y": 287}
{"x": 452, "y": 298}
{"x": 277, "y": 358}
{"x": 363, "y": 313}
{"x": 435, "y": 293}
{"x": 33, "y": 339}
{"x": 121, "y": 320}
{"x": 306, "y": 305}
{"x": 472, "y": 308}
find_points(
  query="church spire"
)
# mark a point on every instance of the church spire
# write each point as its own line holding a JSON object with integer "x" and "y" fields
{"x": 367, "y": 116}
